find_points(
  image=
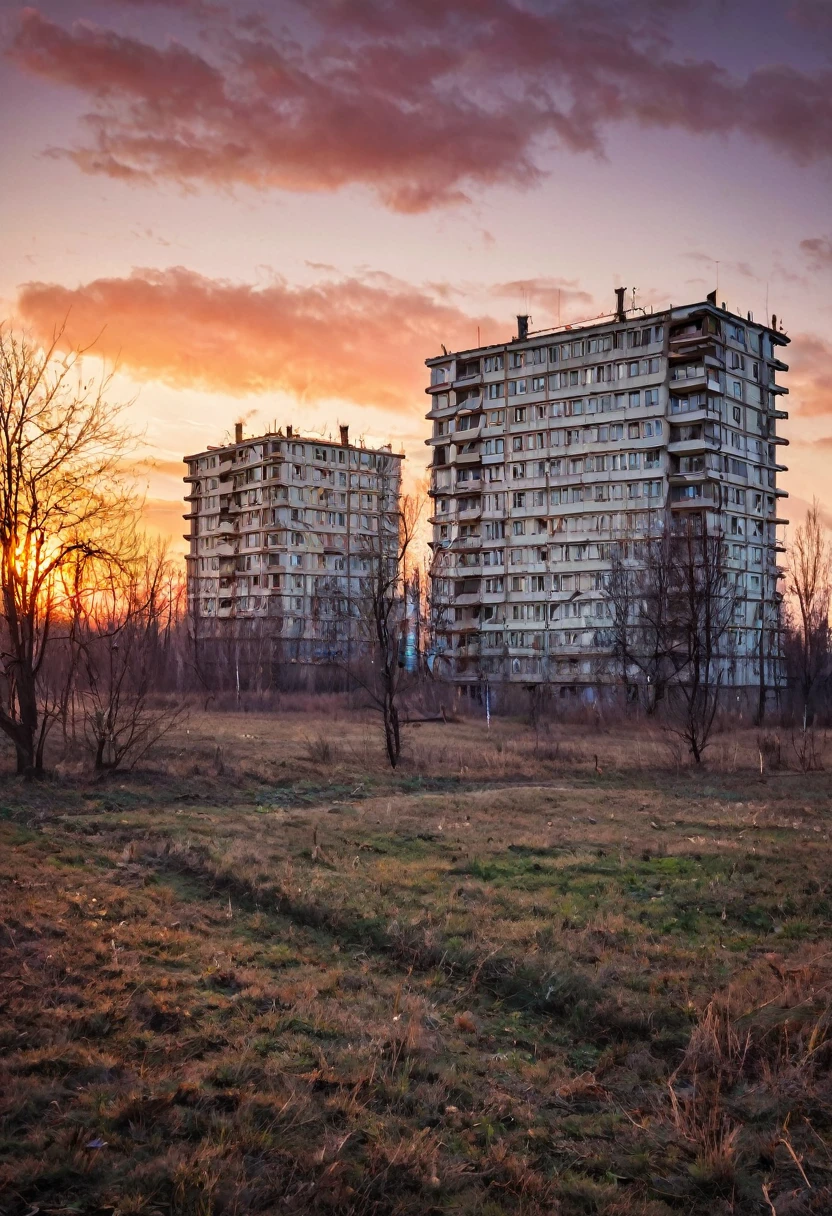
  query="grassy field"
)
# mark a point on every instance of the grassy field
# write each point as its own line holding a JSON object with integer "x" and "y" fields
{"x": 551, "y": 971}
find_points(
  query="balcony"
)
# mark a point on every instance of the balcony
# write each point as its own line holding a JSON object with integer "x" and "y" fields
{"x": 468, "y": 457}
{"x": 688, "y": 477}
{"x": 679, "y": 447}
{"x": 691, "y": 496}
{"x": 687, "y": 407}
{"x": 470, "y": 650}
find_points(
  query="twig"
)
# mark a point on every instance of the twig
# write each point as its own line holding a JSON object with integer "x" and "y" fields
{"x": 784, "y": 1140}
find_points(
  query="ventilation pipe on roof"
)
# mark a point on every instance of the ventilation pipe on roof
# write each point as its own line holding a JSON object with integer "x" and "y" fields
{"x": 289, "y": 432}
{"x": 345, "y": 435}
{"x": 238, "y": 432}
{"x": 522, "y": 328}
{"x": 620, "y": 314}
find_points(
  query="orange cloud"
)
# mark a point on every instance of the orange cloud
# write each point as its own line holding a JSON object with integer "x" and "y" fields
{"x": 809, "y": 358}
{"x": 360, "y": 340}
{"x": 416, "y": 100}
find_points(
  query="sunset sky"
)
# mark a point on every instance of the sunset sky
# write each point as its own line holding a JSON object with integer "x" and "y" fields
{"x": 277, "y": 211}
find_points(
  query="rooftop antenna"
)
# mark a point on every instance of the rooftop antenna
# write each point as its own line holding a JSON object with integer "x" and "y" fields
{"x": 558, "y": 306}
{"x": 716, "y": 262}
{"x": 634, "y": 299}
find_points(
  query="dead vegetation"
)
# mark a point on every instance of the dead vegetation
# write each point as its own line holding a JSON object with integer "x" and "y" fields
{"x": 533, "y": 971}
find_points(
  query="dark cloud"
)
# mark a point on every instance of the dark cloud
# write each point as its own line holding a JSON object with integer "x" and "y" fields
{"x": 818, "y": 251}
{"x": 419, "y": 100}
{"x": 362, "y": 340}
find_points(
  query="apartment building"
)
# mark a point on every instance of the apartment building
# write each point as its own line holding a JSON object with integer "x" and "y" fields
{"x": 558, "y": 449}
{"x": 284, "y": 530}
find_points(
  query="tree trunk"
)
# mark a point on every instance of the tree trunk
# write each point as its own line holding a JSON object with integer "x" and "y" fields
{"x": 24, "y": 743}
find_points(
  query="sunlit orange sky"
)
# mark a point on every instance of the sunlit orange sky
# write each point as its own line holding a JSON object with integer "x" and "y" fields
{"x": 275, "y": 212}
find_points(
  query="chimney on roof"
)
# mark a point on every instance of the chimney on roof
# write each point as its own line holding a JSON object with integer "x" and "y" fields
{"x": 238, "y": 432}
{"x": 289, "y": 432}
{"x": 620, "y": 315}
{"x": 522, "y": 328}
{"x": 345, "y": 435}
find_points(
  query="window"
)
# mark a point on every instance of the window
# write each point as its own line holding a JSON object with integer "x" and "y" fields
{"x": 518, "y": 527}
{"x": 495, "y": 418}
{"x": 517, "y": 443}
{"x": 538, "y": 384}
{"x": 553, "y": 354}
{"x": 496, "y": 391}
{"x": 518, "y": 499}
{"x": 651, "y": 396}
{"x": 634, "y": 399}
{"x": 538, "y": 355}
{"x": 494, "y": 363}
{"x": 520, "y": 413}
{"x": 518, "y": 471}
{"x": 515, "y": 359}
{"x": 633, "y": 430}
{"x": 736, "y": 413}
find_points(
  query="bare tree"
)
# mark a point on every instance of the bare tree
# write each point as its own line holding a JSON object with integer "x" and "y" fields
{"x": 380, "y": 608}
{"x": 124, "y": 631}
{"x": 672, "y": 603}
{"x": 702, "y": 600}
{"x": 638, "y": 595}
{"x": 808, "y": 585}
{"x": 62, "y": 493}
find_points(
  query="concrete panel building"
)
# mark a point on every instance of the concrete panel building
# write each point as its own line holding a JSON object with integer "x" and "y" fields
{"x": 283, "y": 531}
{"x": 553, "y": 450}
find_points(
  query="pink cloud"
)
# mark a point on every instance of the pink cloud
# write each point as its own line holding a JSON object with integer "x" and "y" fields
{"x": 359, "y": 340}
{"x": 419, "y": 101}
{"x": 809, "y": 358}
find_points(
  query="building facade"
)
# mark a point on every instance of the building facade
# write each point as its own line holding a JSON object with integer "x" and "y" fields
{"x": 553, "y": 452}
{"x": 284, "y": 530}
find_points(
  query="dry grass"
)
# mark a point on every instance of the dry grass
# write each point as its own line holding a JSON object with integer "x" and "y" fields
{"x": 549, "y": 971}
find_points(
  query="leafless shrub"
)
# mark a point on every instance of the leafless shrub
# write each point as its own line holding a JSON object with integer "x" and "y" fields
{"x": 769, "y": 747}
{"x": 319, "y": 750}
{"x": 808, "y": 748}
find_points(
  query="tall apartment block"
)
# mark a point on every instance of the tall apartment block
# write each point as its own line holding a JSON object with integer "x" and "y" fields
{"x": 283, "y": 533}
{"x": 553, "y": 447}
